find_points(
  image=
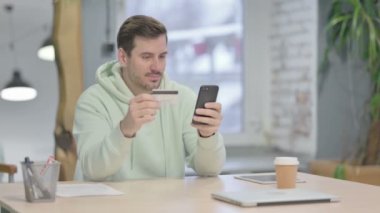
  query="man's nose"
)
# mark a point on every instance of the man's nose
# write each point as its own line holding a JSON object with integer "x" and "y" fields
{"x": 156, "y": 64}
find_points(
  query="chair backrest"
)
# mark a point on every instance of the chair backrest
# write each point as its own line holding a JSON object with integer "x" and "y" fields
{"x": 10, "y": 169}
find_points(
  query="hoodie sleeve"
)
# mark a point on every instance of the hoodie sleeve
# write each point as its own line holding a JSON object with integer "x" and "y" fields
{"x": 102, "y": 147}
{"x": 206, "y": 156}
{"x": 209, "y": 156}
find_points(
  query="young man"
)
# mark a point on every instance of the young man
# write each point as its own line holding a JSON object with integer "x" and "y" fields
{"x": 123, "y": 132}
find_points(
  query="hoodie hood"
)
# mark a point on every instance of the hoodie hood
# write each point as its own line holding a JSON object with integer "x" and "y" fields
{"x": 108, "y": 76}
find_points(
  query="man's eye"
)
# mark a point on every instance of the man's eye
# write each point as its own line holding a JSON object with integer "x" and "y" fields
{"x": 145, "y": 56}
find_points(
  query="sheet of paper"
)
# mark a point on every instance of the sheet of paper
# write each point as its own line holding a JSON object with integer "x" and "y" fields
{"x": 85, "y": 189}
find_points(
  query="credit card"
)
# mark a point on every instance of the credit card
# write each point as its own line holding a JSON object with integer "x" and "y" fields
{"x": 165, "y": 96}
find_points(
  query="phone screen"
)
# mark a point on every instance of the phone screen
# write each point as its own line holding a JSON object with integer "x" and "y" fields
{"x": 207, "y": 93}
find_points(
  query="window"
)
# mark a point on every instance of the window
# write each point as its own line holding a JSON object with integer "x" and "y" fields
{"x": 204, "y": 47}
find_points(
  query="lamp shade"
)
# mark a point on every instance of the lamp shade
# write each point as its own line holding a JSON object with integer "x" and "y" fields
{"x": 46, "y": 51}
{"x": 18, "y": 90}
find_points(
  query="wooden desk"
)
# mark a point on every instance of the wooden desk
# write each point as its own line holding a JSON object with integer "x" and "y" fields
{"x": 192, "y": 194}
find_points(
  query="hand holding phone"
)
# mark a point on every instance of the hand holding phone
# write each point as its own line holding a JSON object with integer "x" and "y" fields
{"x": 207, "y": 93}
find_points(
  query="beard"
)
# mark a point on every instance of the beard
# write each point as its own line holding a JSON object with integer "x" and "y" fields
{"x": 142, "y": 83}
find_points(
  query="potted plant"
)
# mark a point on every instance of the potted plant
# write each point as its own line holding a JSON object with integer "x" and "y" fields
{"x": 353, "y": 29}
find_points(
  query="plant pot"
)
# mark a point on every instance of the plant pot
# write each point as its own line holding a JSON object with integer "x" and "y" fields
{"x": 369, "y": 174}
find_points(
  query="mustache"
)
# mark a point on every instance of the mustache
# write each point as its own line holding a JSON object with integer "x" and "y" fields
{"x": 153, "y": 74}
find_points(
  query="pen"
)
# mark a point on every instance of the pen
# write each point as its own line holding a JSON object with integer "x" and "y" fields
{"x": 47, "y": 164}
{"x": 29, "y": 174}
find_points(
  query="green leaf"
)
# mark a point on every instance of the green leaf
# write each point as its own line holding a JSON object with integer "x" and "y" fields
{"x": 372, "y": 45}
{"x": 340, "y": 172}
{"x": 375, "y": 105}
{"x": 343, "y": 34}
{"x": 355, "y": 17}
{"x": 377, "y": 78}
{"x": 370, "y": 7}
{"x": 337, "y": 20}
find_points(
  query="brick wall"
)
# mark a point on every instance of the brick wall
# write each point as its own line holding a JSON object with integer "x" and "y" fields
{"x": 293, "y": 68}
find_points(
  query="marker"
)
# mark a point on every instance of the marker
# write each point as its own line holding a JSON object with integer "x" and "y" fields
{"x": 49, "y": 161}
{"x": 29, "y": 174}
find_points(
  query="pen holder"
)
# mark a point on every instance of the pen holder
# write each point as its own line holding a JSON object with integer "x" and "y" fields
{"x": 40, "y": 180}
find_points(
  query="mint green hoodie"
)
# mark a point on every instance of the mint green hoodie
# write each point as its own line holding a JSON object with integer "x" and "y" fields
{"x": 160, "y": 148}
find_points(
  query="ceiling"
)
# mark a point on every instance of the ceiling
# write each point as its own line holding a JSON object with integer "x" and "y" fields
{"x": 32, "y": 23}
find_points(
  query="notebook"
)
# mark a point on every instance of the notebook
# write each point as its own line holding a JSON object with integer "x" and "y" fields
{"x": 262, "y": 178}
{"x": 259, "y": 197}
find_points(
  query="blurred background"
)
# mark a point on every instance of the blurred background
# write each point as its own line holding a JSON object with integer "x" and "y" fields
{"x": 264, "y": 55}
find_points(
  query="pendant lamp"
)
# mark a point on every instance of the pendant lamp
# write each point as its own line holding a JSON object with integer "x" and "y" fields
{"x": 46, "y": 51}
{"x": 16, "y": 89}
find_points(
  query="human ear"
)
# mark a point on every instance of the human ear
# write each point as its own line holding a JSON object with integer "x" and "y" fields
{"x": 122, "y": 56}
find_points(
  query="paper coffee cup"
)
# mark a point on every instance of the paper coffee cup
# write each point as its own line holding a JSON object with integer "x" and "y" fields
{"x": 286, "y": 172}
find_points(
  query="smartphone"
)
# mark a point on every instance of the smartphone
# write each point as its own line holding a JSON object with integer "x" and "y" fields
{"x": 207, "y": 93}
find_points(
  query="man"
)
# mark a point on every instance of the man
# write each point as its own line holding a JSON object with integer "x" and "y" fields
{"x": 123, "y": 132}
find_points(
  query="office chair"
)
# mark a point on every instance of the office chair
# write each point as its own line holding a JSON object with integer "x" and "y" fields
{"x": 10, "y": 169}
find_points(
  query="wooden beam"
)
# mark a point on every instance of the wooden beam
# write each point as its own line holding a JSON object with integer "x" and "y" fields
{"x": 67, "y": 39}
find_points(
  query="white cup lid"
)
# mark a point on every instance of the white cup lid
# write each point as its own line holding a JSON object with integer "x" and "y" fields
{"x": 286, "y": 161}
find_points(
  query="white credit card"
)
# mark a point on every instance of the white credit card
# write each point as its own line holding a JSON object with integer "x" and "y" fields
{"x": 165, "y": 96}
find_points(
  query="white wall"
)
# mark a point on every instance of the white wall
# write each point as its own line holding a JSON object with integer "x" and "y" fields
{"x": 281, "y": 63}
{"x": 293, "y": 67}
{"x": 26, "y": 128}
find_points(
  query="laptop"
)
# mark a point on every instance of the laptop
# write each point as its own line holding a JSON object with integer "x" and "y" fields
{"x": 267, "y": 197}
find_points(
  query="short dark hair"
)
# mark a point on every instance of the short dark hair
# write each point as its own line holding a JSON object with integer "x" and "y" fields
{"x": 138, "y": 25}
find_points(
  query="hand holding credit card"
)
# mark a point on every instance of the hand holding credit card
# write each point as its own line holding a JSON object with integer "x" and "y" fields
{"x": 165, "y": 96}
